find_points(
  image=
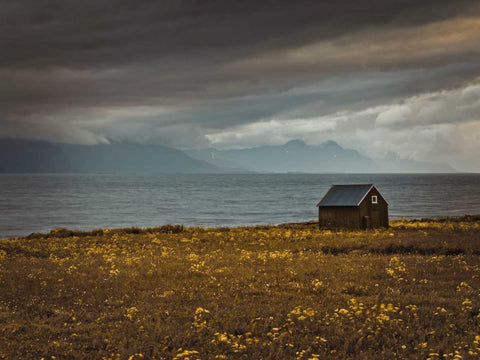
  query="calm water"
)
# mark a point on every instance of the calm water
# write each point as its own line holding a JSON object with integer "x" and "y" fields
{"x": 38, "y": 203}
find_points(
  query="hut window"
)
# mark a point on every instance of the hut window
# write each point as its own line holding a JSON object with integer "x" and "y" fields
{"x": 374, "y": 199}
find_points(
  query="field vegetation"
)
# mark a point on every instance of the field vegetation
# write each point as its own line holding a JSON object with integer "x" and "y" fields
{"x": 264, "y": 292}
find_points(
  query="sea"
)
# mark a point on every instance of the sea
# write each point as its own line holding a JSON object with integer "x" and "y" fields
{"x": 38, "y": 203}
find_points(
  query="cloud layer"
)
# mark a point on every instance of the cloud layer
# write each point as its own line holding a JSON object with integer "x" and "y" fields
{"x": 374, "y": 75}
{"x": 441, "y": 125}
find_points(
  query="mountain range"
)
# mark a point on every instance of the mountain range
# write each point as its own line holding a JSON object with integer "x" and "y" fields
{"x": 297, "y": 156}
{"x": 24, "y": 156}
{"x": 28, "y": 156}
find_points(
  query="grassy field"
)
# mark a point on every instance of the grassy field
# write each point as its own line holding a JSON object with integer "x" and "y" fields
{"x": 284, "y": 292}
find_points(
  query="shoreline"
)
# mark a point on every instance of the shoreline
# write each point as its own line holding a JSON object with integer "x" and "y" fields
{"x": 179, "y": 228}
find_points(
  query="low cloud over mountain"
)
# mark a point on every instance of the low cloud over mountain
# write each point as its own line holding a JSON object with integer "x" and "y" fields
{"x": 297, "y": 156}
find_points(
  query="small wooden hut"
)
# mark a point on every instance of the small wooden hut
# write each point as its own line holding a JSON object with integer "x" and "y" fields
{"x": 359, "y": 206}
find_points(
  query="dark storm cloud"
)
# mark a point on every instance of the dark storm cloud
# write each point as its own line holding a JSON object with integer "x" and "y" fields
{"x": 108, "y": 33}
{"x": 183, "y": 73}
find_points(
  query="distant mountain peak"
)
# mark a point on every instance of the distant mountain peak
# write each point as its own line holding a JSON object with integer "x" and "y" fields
{"x": 297, "y": 143}
{"x": 330, "y": 144}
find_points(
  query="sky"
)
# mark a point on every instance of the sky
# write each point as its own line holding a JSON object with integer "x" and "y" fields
{"x": 383, "y": 76}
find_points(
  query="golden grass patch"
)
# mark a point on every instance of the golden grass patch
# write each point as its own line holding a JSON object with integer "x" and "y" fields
{"x": 266, "y": 292}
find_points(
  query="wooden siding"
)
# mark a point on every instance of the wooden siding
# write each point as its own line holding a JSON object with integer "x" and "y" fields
{"x": 341, "y": 217}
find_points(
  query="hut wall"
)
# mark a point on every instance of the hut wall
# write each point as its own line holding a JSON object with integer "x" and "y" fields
{"x": 344, "y": 217}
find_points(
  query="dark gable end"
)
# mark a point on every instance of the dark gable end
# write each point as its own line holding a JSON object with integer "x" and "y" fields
{"x": 373, "y": 191}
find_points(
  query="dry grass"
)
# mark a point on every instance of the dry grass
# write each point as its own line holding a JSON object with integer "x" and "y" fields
{"x": 286, "y": 292}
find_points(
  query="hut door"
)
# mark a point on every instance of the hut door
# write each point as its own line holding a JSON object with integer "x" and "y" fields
{"x": 375, "y": 219}
{"x": 366, "y": 222}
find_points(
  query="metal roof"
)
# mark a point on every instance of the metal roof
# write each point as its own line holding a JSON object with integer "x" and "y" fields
{"x": 345, "y": 195}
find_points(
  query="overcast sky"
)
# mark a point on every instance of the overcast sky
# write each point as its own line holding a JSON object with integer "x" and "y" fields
{"x": 376, "y": 76}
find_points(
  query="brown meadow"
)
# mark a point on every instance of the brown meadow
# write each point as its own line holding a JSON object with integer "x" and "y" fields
{"x": 264, "y": 292}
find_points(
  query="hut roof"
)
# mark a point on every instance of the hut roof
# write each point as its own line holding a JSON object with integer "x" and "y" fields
{"x": 345, "y": 195}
